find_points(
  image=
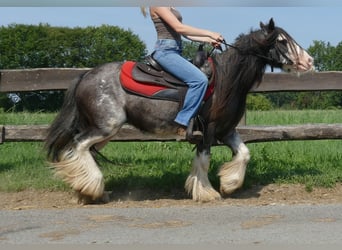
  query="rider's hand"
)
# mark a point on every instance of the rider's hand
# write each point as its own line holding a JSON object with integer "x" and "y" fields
{"x": 216, "y": 39}
{"x": 216, "y": 44}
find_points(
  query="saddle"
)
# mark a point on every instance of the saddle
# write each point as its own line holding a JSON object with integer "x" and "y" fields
{"x": 149, "y": 80}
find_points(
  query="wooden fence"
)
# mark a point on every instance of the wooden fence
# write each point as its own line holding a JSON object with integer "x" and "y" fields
{"x": 60, "y": 79}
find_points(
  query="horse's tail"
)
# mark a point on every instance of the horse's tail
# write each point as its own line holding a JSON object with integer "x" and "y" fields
{"x": 65, "y": 126}
{"x": 71, "y": 159}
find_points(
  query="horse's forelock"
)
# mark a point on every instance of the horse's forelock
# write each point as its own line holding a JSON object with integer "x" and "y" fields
{"x": 293, "y": 45}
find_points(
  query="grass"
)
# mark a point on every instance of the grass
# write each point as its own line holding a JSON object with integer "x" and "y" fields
{"x": 283, "y": 117}
{"x": 165, "y": 166}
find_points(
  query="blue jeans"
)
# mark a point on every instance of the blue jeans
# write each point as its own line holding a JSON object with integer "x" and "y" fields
{"x": 168, "y": 55}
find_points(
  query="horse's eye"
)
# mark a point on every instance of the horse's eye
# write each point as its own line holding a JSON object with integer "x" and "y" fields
{"x": 283, "y": 42}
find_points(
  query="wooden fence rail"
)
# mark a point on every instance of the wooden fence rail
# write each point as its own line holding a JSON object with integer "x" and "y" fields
{"x": 11, "y": 133}
{"x": 59, "y": 79}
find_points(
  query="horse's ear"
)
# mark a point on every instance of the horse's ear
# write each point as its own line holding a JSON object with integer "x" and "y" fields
{"x": 271, "y": 25}
{"x": 263, "y": 26}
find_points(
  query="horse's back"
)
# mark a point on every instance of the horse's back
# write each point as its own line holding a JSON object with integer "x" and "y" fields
{"x": 99, "y": 95}
{"x": 103, "y": 74}
{"x": 100, "y": 83}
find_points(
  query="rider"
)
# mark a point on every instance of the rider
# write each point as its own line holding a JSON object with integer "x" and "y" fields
{"x": 168, "y": 49}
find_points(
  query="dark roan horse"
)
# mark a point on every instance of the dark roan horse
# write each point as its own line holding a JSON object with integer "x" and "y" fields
{"x": 97, "y": 106}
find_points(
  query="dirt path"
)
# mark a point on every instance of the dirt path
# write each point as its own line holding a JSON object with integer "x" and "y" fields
{"x": 258, "y": 195}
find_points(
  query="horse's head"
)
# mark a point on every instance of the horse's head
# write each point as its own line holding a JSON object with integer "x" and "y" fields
{"x": 283, "y": 51}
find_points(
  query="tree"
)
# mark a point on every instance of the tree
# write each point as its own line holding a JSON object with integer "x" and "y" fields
{"x": 190, "y": 49}
{"x": 327, "y": 58}
{"x": 257, "y": 101}
{"x": 43, "y": 46}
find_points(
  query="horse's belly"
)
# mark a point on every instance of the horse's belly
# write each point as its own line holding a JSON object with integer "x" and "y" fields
{"x": 155, "y": 116}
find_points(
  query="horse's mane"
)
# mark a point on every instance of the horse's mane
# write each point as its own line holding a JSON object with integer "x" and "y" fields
{"x": 238, "y": 69}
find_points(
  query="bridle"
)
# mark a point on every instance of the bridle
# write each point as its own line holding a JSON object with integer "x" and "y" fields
{"x": 273, "y": 55}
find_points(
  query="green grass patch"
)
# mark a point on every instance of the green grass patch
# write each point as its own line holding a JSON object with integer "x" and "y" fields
{"x": 165, "y": 166}
{"x": 313, "y": 163}
{"x": 26, "y": 118}
{"x": 23, "y": 166}
{"x": 285, "y": 117}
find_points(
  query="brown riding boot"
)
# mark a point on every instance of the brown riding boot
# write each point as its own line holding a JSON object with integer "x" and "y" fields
{"x": 192, "y": 136}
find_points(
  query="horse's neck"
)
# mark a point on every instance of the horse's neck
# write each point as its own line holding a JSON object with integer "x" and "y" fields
{"x": 236, "y": 77}
{"x": 247, "y": 71}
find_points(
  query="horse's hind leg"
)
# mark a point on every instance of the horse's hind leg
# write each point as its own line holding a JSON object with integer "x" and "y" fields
{"x": 232, "y": 173}
{"x": 78, "y": 168}
{"x": 76, "y": 165}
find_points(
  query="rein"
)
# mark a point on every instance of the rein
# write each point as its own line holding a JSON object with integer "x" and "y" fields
{"x": 269, "y": 59}
{"x": 250, "y": 53}
{"x": 240, "y": 51}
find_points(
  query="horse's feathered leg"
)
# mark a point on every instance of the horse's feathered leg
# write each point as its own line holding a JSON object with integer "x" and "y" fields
{"x": 96, "y": 112}
{"x": 77, "y": 167}
{"x": 232, "y": 173}
{"x": 197, "y": 183}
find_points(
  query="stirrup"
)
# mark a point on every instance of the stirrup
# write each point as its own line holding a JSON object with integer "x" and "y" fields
{"x": 192, "y": 136}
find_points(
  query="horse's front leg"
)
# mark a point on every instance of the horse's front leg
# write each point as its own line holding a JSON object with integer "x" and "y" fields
{"x": 197, "y": 183}
{"x": 232, "y": 173}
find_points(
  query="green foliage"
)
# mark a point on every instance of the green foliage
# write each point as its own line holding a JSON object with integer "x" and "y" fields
{"x": 327, "y": 57}
{"x": 31, "y": 46}
{"x": 43, "y": 46}
{"x": 307, "y": 100}
{"x": 4, "y": 102}
{"x": 258, "y": 102}
{"x": 190, "y": 49}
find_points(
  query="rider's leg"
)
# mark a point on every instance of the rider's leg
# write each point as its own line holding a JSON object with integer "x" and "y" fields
{"x": 173, "y": 62}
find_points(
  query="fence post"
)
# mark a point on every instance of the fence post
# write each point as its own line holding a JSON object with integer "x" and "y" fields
{"x": 2, "y": 133}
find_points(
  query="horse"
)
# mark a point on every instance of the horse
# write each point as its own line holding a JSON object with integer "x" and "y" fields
{"x": 97, "y": 106}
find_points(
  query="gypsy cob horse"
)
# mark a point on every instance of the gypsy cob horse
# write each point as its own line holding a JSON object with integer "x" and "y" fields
{"x": 96, "y": 107}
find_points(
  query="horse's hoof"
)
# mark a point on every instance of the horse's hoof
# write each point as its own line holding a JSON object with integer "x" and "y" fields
{"x": 207, "y": 195}
{"x": 88, "y": 200}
